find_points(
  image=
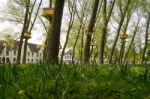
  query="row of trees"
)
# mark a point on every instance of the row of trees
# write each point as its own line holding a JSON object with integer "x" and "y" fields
{"x": 109, "y": 31}
{"x": 124, "y": 21}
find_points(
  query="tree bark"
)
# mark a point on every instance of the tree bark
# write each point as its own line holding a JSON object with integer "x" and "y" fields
{"x": 25, "y": 50}
{"x": 104, "y": 30}
{"x": 45, "y": 52}
{"x": 86, "y": 56}
{"x": 76, "y": 40}
{"x": 132, "y": 40}
{"x": 22, "y": 33}
{"x": 72, "y": 17}
{"x": 121, "y": 55}
{"x": 146, "y": 41}
{"x": 54, "y": 36}
{"x": 30, "y": 29}
{"x": 118, "y": 31}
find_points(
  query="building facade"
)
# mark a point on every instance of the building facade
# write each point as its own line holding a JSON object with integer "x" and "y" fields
{"x": 8, "y": 53}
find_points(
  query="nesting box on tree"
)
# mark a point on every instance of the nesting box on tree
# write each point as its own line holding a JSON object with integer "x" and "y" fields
{"x": 27, "y": 35}
{"x": 48, "y": 12}
{"x": 123, "y": 36}
{"x": 123, "y": 40}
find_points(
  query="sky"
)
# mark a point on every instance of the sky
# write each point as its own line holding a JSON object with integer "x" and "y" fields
{"x": 37, "y": 32}
{"x": 16, "y": 28}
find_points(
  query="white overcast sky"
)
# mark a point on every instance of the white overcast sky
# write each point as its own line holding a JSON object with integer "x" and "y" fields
{"x": 37, "y": 33}
{"x": 6, "y": 25}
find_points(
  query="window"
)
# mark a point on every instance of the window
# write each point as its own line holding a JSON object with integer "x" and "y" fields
{"x": 28, "y": 53}
{"x": 7, "y": 60}
{"x": 32, "y": 54}
{"x": 37, "y": 61}
{"x": 67, "y": 56}
{"x": 28, "y": 60}
{"x": 3, "y": 60}
{"x": 37, "y": 54}
{"x": 7, "y": 53}
{"x": 32, "y": 60}
{"x": 40, "y": 61}
{"x": 14, "y": 53}
{"x": 40, "y": 55}
{"x": 14, "y": 60}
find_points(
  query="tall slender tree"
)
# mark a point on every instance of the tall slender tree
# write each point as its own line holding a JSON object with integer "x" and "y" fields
{"x": 45, "y": 52}
{"x": 123, "y": 14}
{"x": 123, "y": 42}
{"x": 131, "y": 10}
{"x": 23, "y": 31}
{"x": 54, "y": 35}
{"x": 146, "y": 5}
{"x": 89, "y": 32}
{"x": 146, "y": 40}
{"x": 71, "y": 6}
{"x": 30, "y": 27}
{"x": 136, "y": 28}
{"x": 106, "y": 19}
{"x": 82, "y": 16}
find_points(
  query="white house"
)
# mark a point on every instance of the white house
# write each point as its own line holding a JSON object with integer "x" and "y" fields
{"x": 34, "y": 54}
{"x": 67, "y": 58}
{"x": 8, "y": 53}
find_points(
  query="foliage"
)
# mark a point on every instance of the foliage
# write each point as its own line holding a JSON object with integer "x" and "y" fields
{"x": 43, "y": 81}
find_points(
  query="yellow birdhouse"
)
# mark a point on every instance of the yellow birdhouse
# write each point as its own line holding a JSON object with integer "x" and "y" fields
{"x": 27, "y": 35}
{"x": 123, "y": 36}
{"x": 123, "y": 40}
{"x": 48, "y": 12}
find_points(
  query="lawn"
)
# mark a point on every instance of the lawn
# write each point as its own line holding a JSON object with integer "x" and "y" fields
{"x": 43, "y": 81}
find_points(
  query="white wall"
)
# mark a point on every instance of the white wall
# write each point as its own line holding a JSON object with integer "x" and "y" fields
{"x": 29, "y": 58}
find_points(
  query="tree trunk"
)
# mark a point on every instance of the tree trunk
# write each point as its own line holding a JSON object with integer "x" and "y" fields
{"x": 118, "y": 31}
{"x": 45, "y": 52}
{"x": 146, "y": 41}
{"x": 104, "y": 30}
{"x": 76, "y": 41}
{"x": 82, "y": 44}
{"x": 30, "y": 29}
{"x": 72, "y": 17}
{"x": 25, "y": 50}
{"x": 54, "y": 36}
{"x": 86, "y": 56}
{"x": 103, "y": 35}
{"x": 123, "y": 43}
{"x": 134, "y": 57}
{"x": 22, "y": 33}
{"x": 132, "y": 40}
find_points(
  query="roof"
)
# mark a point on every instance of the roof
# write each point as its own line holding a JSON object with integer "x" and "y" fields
{"x": 15, "y": 44}
{"x": 1, "y": 45}
{"x": 33, "y": 47}
{"x": 69, "y": 51}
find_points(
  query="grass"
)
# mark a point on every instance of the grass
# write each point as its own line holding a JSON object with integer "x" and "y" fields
{"x": 43, "y": 81}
